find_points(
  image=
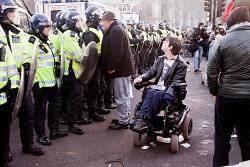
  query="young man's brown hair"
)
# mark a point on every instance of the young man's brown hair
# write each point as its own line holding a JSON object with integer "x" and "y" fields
{"x": 176, "y": 44}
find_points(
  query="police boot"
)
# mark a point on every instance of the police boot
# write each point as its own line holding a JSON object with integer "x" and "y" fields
{"x": 75, "y": 130}
{"x": 33, "y": 150}
{"x": 83, "y": 121}
{"x": 96, "y": 117}
{"x": 44, "y": 140}
{"x": 103, "y": 111}
{"x": 54, "y": 134}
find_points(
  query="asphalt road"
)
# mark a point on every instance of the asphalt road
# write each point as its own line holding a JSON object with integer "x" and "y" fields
{"x": 98, "y": 145}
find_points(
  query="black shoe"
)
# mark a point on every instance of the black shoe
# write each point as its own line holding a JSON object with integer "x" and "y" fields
{"x": 83, "y": 121}
{"x": 54, "y": 134}
{"x": 76, "y": 130}
{"x": 10, "y": 157}
{"x": 140, "y": 123}
{"x": 111, "y": 106}
{"x": 63, "y": 120}
{"x": 33, "y": 150}
{"x": 117, "y": 126}
{"x": 44, "y": 140}
{"x": 96, "y": 117}
{"x": 114, "y": 121}
{"x": 103, "y": 111}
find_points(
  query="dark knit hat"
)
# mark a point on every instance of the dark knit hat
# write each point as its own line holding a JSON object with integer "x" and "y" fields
{"x": 108, "y": 15}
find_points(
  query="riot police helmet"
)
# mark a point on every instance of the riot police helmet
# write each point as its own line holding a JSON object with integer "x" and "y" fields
{"x": 93, "y": 15}
{"x": 73, "y": 16}
{"x": 140, "y": 25}
{"x": 5, "y": 7}
{"x": 146, "y": 28}
{"x": 59, "y": 19}
{"x": 38, "y": 23}
{"x": 152, "y": 27}
{"x": 161, "y": 26}
{"x": 122, "y": 23}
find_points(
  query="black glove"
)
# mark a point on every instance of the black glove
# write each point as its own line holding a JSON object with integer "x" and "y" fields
{"x": 37, "y": 91}
{"x": 26, "y": 67}
{"x": 2, "y": 52}
{"x": 12, "y": 94}
{"x": 57, "y": 69}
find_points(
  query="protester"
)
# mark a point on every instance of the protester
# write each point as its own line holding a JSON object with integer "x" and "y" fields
{"x": 116, "y": 57}
{"x": 228, "y": 76}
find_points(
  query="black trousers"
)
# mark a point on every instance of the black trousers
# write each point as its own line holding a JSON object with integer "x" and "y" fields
{"x": 230, "y": 113}
{"x": 143, "y": 59}
{"x": 135, "y": 58}
{"x": 109, "y": 93}
{"x": 152, "y": 56}
{"x": 95, "y": 92}
{"x": 5, "y": 117}
{"x": 75, "y": 98}
{"x": 42, "y": 96}
{"x": 26, "y": 121}
{"x": 64, "y": 91}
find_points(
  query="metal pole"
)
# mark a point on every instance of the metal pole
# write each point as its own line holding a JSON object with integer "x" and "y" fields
{"x": 214, "y": 12}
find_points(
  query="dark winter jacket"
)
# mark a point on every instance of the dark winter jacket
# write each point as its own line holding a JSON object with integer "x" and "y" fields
{"x": 176, "y": 73}
{"x": 116, "y": 52}
{"x": 228, "y": 70}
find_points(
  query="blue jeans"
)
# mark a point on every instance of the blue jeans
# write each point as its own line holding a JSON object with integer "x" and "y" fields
{"x": 197, "y": 58}
{"x": 153, "y": 102}
{"x": 122, "y": 88}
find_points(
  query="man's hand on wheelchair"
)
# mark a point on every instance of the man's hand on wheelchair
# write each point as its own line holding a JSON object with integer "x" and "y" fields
{"x": 137, "y": 83}
{"x": 137, "y": 80}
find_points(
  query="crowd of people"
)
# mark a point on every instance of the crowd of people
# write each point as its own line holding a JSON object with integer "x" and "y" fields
{"x": 121, "y": 50}
{"x": 126, "y": 51}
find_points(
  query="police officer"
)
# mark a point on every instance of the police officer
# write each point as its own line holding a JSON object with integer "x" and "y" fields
{"x": 73, "y": 52}
{"x": 134, "y": 44}
{"x": 45, "y": 88}
{"x": 156, "y": 40}
{"x": 9, "y": 83}
{"x": 56, "y": 38}
{"x": 143, "y": 48}
{"x": 96, "y": 85}
{"x": 17, "y": 41}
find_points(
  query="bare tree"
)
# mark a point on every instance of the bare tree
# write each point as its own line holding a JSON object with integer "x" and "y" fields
{"x": 174, "y": 12}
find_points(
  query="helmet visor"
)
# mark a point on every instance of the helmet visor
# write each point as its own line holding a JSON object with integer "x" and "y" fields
{"x": 82, "y": 22}
{"x": 98, "y": 12}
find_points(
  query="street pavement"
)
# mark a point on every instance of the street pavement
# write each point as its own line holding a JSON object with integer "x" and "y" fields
{"x": 100, "y": 147}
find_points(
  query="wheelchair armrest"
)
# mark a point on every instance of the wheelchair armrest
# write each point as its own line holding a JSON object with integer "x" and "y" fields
{"x": 180, "y": 85}
{"x": 142, "y": 84}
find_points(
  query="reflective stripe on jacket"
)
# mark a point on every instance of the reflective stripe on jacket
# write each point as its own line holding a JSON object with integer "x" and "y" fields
{"x": 8, "y": 71}
{"x": 72, "y": 52}
{"x": 18, "y": 42}
{"x": 46, "y": 58}
{"x": 99, "y": 34}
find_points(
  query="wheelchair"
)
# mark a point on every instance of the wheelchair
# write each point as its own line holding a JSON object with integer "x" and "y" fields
{"x": 175, "y": 120}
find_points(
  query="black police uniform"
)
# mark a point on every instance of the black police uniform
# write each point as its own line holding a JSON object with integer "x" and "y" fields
{"x": 96, "y": 87}
{"x": 26, "y": 111}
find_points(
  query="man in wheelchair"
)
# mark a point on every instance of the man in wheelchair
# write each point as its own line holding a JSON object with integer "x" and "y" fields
{"x": 168, "y": 70}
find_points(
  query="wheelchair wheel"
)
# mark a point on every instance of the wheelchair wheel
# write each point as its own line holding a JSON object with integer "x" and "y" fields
{"x": 187, "y": 127}
{"x": 137, "y": 139}
{"x": 174, "y": 143}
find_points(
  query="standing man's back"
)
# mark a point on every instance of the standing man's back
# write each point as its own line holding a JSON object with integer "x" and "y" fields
{"x": 229, "y": 82}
